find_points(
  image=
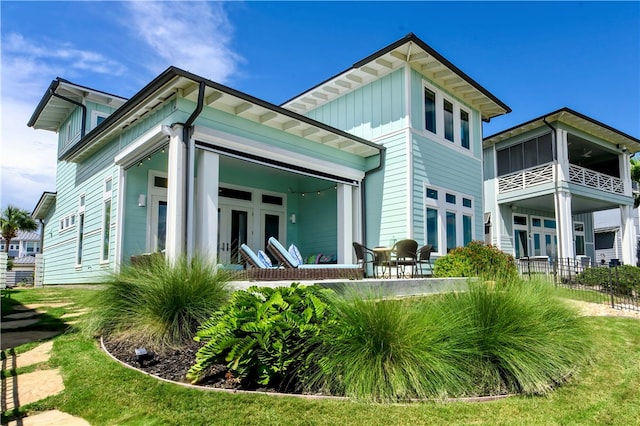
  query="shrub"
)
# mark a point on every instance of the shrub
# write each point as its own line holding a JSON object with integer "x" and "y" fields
{"x": 263, "y": 334}
{"x": 625, "y": 278}
{"x": 388, "y": 350}
{"x": 157, "y": 302}
{"x": 476, "y": 260}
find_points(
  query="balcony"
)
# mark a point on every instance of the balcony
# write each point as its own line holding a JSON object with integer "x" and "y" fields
{"x": 545, "y": 174}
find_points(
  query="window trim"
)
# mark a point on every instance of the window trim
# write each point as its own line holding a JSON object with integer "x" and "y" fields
{"x": 82, "y": 202}
{"x": 94, "y": 117}
{"x": 440, "y": 98}
{"x": 106, "y": 222}
{"x": 442, "y": 207}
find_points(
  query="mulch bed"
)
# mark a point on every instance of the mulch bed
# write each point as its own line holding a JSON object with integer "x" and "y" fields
{"x": 171, "y": 364}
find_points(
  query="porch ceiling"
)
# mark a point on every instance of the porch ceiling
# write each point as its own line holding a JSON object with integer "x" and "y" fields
{"x": 579, "y": 205}
{"x": 176, "y": 82}
{"x": 422, "y": 58}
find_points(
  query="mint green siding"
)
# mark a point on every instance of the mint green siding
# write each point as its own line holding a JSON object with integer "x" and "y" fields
{"x": 371, "y": 111}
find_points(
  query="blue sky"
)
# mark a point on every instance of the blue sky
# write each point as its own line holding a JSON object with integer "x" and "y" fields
{"x": 534, "y": 56}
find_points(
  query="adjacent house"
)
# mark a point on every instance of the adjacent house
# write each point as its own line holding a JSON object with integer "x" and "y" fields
{"x": 24, "y": 244}
{"x": 390, "y": 148}
{"x": 545, "y": 178}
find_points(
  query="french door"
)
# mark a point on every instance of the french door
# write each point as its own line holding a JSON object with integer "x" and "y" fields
{"x": 235, "y": 227}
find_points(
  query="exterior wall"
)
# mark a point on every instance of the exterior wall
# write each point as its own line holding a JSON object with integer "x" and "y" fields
{"x": 371, "y": 111}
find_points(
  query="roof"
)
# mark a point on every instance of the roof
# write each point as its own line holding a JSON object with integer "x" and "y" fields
{"x": 53, "y": 110}
{"x": 25, "y": 260}
{"x": 174, "y": 81}
{"x": 575, "y": 120}
{"x": 47, "y": 199}
{"x": 24, "y": 236}
{"x": 421, "y": 57}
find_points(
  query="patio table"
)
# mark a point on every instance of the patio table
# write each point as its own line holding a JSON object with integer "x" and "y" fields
{"x": 383, "y": 259}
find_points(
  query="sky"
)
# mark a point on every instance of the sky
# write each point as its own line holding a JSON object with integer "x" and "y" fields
{"x": 536, "y": 57}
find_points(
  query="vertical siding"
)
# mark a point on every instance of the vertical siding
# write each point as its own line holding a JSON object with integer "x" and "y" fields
{"x": 371, "y": 111}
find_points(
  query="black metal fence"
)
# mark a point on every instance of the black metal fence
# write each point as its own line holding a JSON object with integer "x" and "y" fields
{"x": 614, "y": 284}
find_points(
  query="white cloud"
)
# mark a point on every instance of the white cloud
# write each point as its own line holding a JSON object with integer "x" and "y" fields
{"x": 194, "y": 36}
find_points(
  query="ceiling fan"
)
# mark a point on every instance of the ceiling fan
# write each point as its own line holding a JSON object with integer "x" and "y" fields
{"x": 586, "y": 154}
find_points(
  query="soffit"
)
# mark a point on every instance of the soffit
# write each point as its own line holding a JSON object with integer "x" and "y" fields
{"x": 53, "y": 111}
{"x": 422, "y": 58}
{"x": 185, "y": 85}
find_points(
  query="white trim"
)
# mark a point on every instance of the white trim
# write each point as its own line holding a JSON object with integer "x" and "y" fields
{"x": 161, "y": 194}
{"x": 443, "y": 207}
{"x": 82, "y": 203}
{"x": 95, "y": 115}
{"x": 106, "y": 196}
{"x": 142, "y": 146}
{"x": 119, "y": 242}
{"x": 253, "y": 147}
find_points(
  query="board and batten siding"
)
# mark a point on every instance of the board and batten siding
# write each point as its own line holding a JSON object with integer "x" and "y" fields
{"x": 371, "y": 111}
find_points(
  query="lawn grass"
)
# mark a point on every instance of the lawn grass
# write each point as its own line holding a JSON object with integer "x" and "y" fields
{"x": 102, "y": 391}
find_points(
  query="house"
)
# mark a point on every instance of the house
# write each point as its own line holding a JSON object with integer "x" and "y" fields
{"x": 188, "y": 165}
{"x": 545, "y": 178}
{"x": 25, "y": 243}
{"x": 608, "y": 235}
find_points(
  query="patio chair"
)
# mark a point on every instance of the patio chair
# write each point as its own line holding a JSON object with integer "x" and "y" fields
{"x": 365, "y": 256}
{"x": 251, "y": 257}
{"x": 285, "y": 259}
{"x": 424, "y": 257}
{"x": 406, "y": 254}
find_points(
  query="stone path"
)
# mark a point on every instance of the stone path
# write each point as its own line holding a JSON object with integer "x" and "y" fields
{"x": 25, "y": 388}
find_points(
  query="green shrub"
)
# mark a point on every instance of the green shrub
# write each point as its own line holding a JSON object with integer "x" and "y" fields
{"x": 157, "y": 302}
{"x": 476, "y": 260}
{"x": 625, "y": 278}
{"x": 389, "y": 350}
{"x": 264, "y": 334}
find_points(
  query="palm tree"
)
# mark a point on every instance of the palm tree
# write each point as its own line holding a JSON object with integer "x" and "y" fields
{"x": 14, "y": 219}
{"x": 635, "y": 176}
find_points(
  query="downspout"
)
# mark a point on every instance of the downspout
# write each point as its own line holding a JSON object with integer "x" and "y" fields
{"x": 187, "y": 128}
{"x": 41, "y": 235}
{"x": 363, "y": 200}
{"x": 83, "y": 129}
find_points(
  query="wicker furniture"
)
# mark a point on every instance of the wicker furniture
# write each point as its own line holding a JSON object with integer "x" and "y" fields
{"x": 406, "y": 255}
{"x": 424, "y": 257}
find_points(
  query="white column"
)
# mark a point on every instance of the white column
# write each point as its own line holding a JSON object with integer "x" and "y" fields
{"x": 562, "y": 151}
{"x": 345, "y": 224}
{"x": 564, "y": 225}
{"x": 356, "y": 195}
{"x": 625, "y": 173}
{"x": 176, "y": 197}
{"x": 206, "y": 204}
{"x": 629, "y": 237}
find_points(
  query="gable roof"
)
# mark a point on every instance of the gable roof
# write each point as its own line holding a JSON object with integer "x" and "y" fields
{"x": 175, "y": 81}
{"x": 47, "y": 199}
{"x": 573, "y": 119}
{"x": 24, "y": 236}
{"x": 421, "y": 57}
{"x": 53, "y": 108}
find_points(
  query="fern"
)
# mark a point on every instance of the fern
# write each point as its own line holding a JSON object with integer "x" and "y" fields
{"x": 263, "y": 333}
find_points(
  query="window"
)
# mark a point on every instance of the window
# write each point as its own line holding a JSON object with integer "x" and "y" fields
{"x": 578, "y": 231}
{"x": 448, "y": 120}
{"x": 67, "y": 222}
{"x": 530, "y": 153}
{"x": 604, "y": 240}
{"x": 430, "y": 110}
{"x": 30, "y": 247}
{"x": 81, "y": 205}
{"x": 98, "y": 117}
{"x": 106, "y": 221}
{"x": 464, "y": 129}
{"x": 448, "y": 221}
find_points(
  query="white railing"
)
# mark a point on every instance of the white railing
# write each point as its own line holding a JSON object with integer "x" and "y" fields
{"x": 526, "y": 178}
{"x": 586, "y": 177}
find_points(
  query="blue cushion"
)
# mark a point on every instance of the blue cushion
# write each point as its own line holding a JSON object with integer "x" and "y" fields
{"x": 295, "y": 253}
{"x": 265, "y": 259}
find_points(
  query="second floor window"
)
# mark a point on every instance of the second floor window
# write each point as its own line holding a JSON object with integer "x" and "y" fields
{"x": 446, "y": 118}
{"x": 530, "y": 153}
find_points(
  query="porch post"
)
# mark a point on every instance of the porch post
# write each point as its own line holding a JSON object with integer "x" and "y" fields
{"x": 625, "y": 173}
{"x": 629, "y": 237}
{"x": 345, "y": 224}
{"x": 564, "y": 225}
{"x": 176, "y": 177}
{"x": 563, "y": 156}
{"x": 357, "y": 213}
{"x": 207, "y": 204}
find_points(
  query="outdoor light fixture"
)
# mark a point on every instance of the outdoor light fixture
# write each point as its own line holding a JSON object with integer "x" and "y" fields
{"x": 292, "y": 218}
{"x": 142, "y": 200}
{"x": 142, "y": 355}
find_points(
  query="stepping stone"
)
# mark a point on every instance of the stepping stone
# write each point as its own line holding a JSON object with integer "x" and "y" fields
{"x": 36, "y": 355}
{"x": 9, "y": 325}
{"x": 21, "y": 315}
{"x": 73, "y": 314}
{"x": 17, "y": 338}
{"x": 50, "y": 418}
{"x": 47, "y": 305}
{"x": 31, "y": 387}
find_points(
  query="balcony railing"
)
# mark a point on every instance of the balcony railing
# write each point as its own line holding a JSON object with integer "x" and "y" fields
{"x": 526, "y": 178}
{"x": 545, "y": 174}
{"x": 586, "y": 177}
